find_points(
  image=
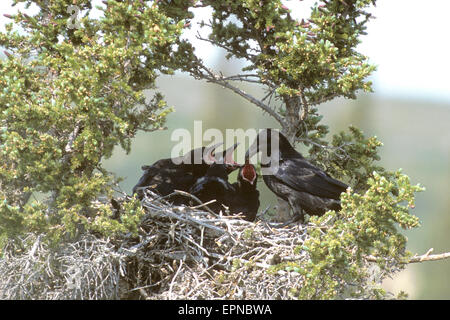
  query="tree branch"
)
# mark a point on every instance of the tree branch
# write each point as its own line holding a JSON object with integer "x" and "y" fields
{"x": 429, "y": 257}
{"x": 243, "y": 77}
{"x": 422, "y": 258}
{"x": 305, "y": 105}
{"x": 209, "y": 76}
{"x": 228, "y": 49}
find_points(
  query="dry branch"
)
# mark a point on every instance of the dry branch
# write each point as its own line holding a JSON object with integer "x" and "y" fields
{"x": 210, "y": 76}
{"x": 422, "y": 258}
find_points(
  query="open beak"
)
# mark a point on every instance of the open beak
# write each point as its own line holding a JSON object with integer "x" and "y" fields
{"x": 230, "y": 163}
{"x": 252, "y": 150}
{"x": 226, "y": 158}
{"x": 248, "y": 173}
{"x": 228, "y": 155}
{"x": 249, "y": 181}
{"x": 208, "y": 153}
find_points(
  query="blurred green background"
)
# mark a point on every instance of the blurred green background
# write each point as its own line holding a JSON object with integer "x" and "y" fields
{"x": 415, "y": 134}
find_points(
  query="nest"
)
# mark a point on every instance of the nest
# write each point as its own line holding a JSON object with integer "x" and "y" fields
{"x": 181, "y": 252}
{"x": 86, "y": 269}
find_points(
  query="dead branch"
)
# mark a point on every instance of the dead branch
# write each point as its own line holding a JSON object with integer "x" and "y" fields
{"x": 422, "y": 258}
{"x": 208, "y": 75}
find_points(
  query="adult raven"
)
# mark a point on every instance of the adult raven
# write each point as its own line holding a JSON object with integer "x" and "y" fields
{"x": 292, "y": 178}
{"x": 167, "y": 175}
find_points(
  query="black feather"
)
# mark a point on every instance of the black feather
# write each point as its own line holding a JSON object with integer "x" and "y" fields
{"x": 295, "y": 180}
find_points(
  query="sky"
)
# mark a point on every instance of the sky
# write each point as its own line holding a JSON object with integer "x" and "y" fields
{"x": 409, "y": 42}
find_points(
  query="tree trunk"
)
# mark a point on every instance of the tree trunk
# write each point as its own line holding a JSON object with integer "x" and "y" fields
{"x": 293, "y": 106}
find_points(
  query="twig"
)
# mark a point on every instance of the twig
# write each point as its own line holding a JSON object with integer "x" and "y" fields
{"x": 209, "y": 76}
{"x": 187, "y": 194}
{"x": 204, "y": 204}
{"x": 228, "y": 49}
{"x": 174, "y": 277}
{"x": 144, "y": 294}
{"x": 422, "y": 258}
{"x": 428, "y": 257}
{"x": 242, "y": 77}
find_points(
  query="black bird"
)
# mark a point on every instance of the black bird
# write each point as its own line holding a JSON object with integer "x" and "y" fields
{"x": 241, "y": 197}
{"x": 245, "y": 198}
{"x": 213, "y": 185}
{"x": 167, "y": 175}
{"x": 292, "y": 178}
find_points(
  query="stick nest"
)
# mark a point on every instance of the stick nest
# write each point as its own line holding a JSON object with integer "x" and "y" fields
{"x": 180, "y": 253}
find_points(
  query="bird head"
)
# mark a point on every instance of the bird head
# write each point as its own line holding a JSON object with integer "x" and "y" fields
{"x": 273, "y": 146}
{"x": 201, "y": 155}
{"x": 208, "y": 156}
{"x": 266, "y": 141}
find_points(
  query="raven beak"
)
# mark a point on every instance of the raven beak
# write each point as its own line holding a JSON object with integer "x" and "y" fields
{"x": 252, "y": 182}
{"x": 249, "y": 181}
{"x": 252, "y": 150}
{"x": 208, "y": 156}
{"x": 228, "y": 155}
{"x": 226, "y": 158}
{"x": 229, "y": 162}
{"x": 253, "y": 173}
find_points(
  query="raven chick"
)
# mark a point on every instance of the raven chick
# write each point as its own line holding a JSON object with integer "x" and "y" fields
{"x": 167, "y": 175}
{"x": 241, "y": 197}
{"x": 213, "y": 185}
{"x": 245, "y": 198}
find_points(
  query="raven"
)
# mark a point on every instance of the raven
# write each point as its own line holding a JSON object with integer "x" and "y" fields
{"x": 241, "y": 197}
{"x": 213, "y": 185}
{"x": 245, "y": 198}
{"x": 292, "y": 178}
{"x": 167, "y": 175}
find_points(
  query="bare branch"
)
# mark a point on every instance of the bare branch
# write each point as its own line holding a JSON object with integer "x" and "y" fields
{"x": 422, "y": 258}
{"x": 209, "y": 76}
{"x": 269, "y": 94}
{"x": 201, "y": 204}
{"x": 248, "y": 56}
{"x": 430, "y": 257}
{"x": 243, "y": 77}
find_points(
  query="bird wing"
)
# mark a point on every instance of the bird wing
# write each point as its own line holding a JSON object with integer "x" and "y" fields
{"x": 149, "y": 173}
{"x": 204, "y": 183}
{"x": 198, "y": 186}
{"x": 303, "y": 176}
